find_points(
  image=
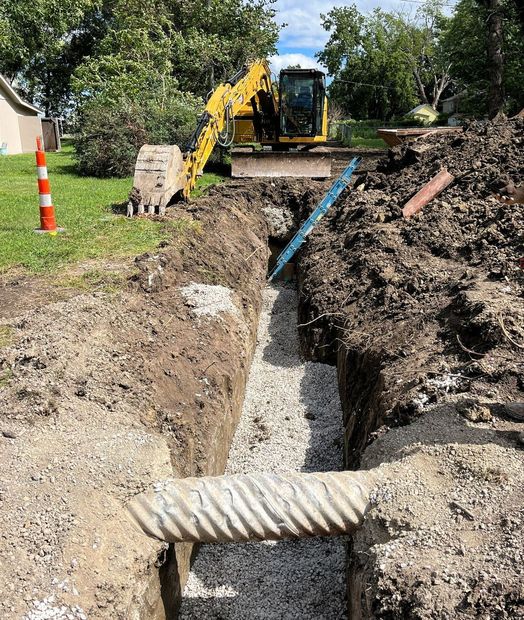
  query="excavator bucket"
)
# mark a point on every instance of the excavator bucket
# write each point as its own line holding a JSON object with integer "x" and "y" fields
{"x": 314, "y": 164}
{"x": 158, "y": 177}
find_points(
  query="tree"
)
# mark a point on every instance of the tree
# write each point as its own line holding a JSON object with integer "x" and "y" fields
{"x": 212, "y": 39}
{"x": 371, "y": 60}
{"x": 133, "y": 59}
{"x": 495, "y": 60}
{"x": 41, "y": 43}
{"x": 126, "y": 93}
{"x": 44, "y": 43}
{"x": 147, "y": 76}
{"x": 466, "y": 43}
{"x": 385, "y": 63}
{"x": 431, "y": 68}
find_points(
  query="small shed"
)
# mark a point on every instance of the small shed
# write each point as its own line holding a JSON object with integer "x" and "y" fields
{"x": 51, "y": 134}
{"x": 424, "y": 112}
{"x": 19, "y": 121}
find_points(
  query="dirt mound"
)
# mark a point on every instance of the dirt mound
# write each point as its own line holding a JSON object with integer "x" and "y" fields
{"x": 424, "y": 311}
{"x": 449, "y": 277}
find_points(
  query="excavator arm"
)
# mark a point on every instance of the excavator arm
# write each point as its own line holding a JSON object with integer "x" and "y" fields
{"x": 163, "y": 172}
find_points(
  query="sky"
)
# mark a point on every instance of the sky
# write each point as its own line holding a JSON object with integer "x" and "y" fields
{"x": 304, "y": 35}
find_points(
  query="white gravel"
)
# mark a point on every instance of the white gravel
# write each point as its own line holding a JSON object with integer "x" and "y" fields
{"x": 208, "y": 299}
{"x": 291, "y": 420}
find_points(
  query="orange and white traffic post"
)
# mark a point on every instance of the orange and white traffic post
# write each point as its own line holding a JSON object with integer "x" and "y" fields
{"x": 47, "y": 210}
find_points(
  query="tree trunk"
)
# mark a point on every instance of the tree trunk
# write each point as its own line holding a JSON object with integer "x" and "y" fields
{"x": 440, "y": 85}
{"x": 495, "y": 58}
{"x": 420, "y": 86}
{"x": 211, "y": 76}
{"x": 47, "y": 94}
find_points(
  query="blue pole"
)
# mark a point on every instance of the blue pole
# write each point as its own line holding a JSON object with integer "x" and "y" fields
{"x": 334, "y": 192}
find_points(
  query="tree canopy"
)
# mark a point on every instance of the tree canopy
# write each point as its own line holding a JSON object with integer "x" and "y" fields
{"x": 61, "y": 52}
{"x": 465, "y": 43}
{"x": 385, "y": 63}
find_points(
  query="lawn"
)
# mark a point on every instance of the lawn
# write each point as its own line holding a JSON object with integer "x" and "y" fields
{"x": 84, "y": 207}
{"x": 370, "y": 143}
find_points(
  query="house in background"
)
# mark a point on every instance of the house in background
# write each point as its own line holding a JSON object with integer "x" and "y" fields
{"x": 20, "y": 122}
{"x": 426, "y": 113}
{"x": 451, "y": 105}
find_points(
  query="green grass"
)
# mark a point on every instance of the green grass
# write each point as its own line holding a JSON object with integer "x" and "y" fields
{"x": 5, "y": 376}
{"x": 6, "y": 335}
{"x": 94, "y": 279}
{"x": 84, "y": 207}
{"x": 370, "y": 143}
{"x": 205, "y": 181}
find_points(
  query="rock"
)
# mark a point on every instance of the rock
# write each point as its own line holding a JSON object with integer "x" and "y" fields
{"x": 515, "y": 411}
{"x": 474, "y": 411}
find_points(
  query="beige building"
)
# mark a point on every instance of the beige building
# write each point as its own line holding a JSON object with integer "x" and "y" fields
{"x": 19, "y": 121}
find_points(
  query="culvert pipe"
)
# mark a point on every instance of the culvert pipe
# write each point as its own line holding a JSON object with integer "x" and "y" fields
{"x": 247, "y": 507}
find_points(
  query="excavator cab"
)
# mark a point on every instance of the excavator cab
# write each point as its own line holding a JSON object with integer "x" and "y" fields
{"x": 302, "y": 94}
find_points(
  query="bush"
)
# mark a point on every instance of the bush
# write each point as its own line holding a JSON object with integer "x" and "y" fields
{"x": 109, "y": 134}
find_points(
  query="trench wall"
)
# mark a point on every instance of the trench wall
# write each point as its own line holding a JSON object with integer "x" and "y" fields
{"x": 230, "y": 250}
{"x": 109, "y": 392}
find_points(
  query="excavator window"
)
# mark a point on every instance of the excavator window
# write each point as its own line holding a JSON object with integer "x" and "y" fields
{"x": 301, "y": 102}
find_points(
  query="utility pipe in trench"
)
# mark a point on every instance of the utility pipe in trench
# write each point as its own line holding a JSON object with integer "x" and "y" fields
{"x": 247, "y": 507}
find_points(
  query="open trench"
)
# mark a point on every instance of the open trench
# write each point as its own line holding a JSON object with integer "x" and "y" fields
{"x": 177, "y": 381}
{"x": 291, "y": 421}
{"x": 293, "y": 415}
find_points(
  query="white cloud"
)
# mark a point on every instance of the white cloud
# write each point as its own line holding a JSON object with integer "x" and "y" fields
{"x": 304, "y": 27}
{"x": 285, "y": 60}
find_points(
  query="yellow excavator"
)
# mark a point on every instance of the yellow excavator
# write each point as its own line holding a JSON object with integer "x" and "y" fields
{"x": 288, "y": 121}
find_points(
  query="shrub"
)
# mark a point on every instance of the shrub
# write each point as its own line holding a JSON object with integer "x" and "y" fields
{"x": 109, "y": 133}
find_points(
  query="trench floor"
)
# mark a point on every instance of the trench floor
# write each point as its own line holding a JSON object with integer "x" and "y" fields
{"x": 291, "y": 421}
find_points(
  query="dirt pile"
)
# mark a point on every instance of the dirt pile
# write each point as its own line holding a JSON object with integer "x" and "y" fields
{"x": 422, "y": 312}
{"x": 444, "y": 286}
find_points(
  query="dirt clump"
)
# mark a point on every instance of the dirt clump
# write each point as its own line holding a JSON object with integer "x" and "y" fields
{"x": 444, "y": 536}
{"x": 420, "y": 312}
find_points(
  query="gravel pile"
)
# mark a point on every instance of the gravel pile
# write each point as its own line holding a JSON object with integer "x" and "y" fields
{"x": 208, "y": 299}
{"x": 291, "y": 421}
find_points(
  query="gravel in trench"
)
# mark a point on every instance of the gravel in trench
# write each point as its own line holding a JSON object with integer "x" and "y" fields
{"x": 291, "y": 420}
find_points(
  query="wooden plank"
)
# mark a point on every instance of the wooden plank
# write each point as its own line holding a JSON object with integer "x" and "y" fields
{"x": 432, "y": 189}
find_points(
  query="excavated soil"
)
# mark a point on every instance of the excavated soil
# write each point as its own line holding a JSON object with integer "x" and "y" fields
{"x": 425, "y": 320}
{"x": 103, "y": 393}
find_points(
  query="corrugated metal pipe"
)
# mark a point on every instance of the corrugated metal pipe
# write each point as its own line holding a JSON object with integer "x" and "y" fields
{"x": 248, "y": 507}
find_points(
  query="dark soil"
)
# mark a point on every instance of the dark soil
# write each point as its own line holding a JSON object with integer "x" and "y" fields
{"x": 420, "y": 312}
{"x": 439, "y": 293}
